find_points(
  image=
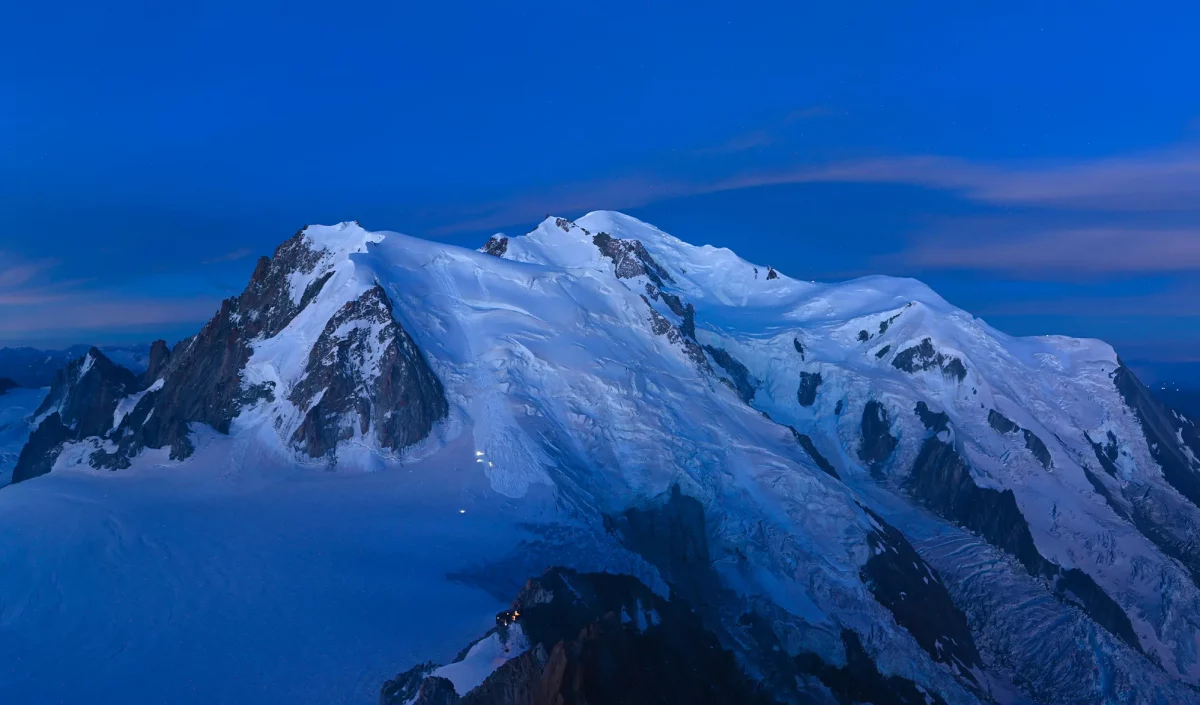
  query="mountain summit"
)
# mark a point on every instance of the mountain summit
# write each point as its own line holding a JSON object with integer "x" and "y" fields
{"x": 857, "y": 490}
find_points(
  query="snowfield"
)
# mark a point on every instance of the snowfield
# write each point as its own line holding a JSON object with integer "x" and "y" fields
{"x": 589, "y": 368}
{"x": 189, "y": 585}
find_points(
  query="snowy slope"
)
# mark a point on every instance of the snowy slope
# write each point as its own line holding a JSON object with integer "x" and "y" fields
{"x": 575, "y": 376}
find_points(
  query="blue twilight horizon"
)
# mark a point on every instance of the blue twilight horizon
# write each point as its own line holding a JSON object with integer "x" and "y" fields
{"x": 1036, "y": 165}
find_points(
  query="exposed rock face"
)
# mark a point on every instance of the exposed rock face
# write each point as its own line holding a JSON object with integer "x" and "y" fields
{"x": 671, "y": 536}
{"x": 659, "y": 325}
{"x": 1038, "y": 448}
{"x": 82, "y": 402}
{"x": 366, "y": 372}
{"x": 38, "y": 456}
{"x": 405, "y": 687}
{"x": 156, "y": 366}
{"x": 799, "y": 347}
{"x": 771, "y": 273}
{"x": 85, "y": 393}
{"x": 1003, "y": 424}
{"x": 860, "y": 681}
{"x": 942, "y": 481}
{"x": 883, "y": 325}
{"x": 1100, "y": 607}
{"x": 914, "y": 593}
{"x": 882, "y": 352}
{"x": 806, "y": 394}
{"x": 686, "y": 312}
{"x": 1169, "y": 435}
{"x": 877, "y": 439}
{"x": 202, "y": 380}
{"x": 630, "y": 259}
{"x": 924, "y": 357}
{"x": 596, "y": 638}
{"x": 7, "y": 384}
{"x": 810, "y": 448}
{"x": 739, "y": 376}
{"x": 496, "y": 246}
{"x": 934, "y": 421}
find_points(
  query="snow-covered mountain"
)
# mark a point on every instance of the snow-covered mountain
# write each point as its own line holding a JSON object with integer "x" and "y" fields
{"x": 35, "y": 367}
{"x": 858, "y": 491}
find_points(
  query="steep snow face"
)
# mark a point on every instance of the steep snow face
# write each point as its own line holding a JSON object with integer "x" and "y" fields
{"x": 831, "y": 435}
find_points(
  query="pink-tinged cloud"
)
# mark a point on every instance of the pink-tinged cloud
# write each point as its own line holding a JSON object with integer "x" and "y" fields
{"x": 1164, "y": 181}
{"x": 14, "y": 274}
{"x": 1068, "y": 251}
{"x": 84, "y": 314}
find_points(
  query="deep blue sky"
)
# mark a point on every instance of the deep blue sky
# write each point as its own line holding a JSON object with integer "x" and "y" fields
{"x": 1037, "y": 163}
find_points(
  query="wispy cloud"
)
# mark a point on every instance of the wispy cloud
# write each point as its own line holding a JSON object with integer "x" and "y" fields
{"x": 33, "y": 302}
{"x": 744, "y": 142}
{"x": 235, "y": 255}
{"x": 1163, "y": 181}
{"x": 1067, "y": 251}
{"x": 14, "y": 273}
{"x": 78, "y": 314}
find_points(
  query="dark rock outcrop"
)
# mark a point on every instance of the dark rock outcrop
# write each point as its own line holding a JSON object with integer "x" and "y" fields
{"x": 671, "y": 535}
{"x": 202, "y": 381}
{"x": 882, "y": 352}
{"x": 42, "y": 449}
{"x": 1107, "y": 453}
{"x": 771, "y": 273}
{"x": 1103, "y": 610}
{"x": 496, "y": 246}
{"x": 877, "y": 439}
{"x": 659, "y": 325}
{"x": 685, "y": 311}
{"x": 1038, "y": 448}
{"x": 799, "y": 347}
{"x": 809, "y": 447}
{"x": 82, "y": 401}
{"x": 630, "y": 259}
{"x": 1002, "y": 424}
{"x": 934, "y": 421}
{"x": 597, "y": 638}
{"x": 924, "y": 357}
{"x": 942, "y": 481}
{"x": 860, "y": 681}
{"x": 365, "y": 366}
{"x": 6, "y": 385}
{"x": 806, "y": 393}
{"x": 156, "y": 366}
{"x": 739, "y": 375}
{"x": 913, "y": 592}
{"x": 1168, "y": 434}
{"x": 86, "y": 391}
{"x": 885, "y": 324}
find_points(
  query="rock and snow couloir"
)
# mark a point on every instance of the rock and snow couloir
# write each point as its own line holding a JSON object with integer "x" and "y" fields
{"x": 854, "y": 485}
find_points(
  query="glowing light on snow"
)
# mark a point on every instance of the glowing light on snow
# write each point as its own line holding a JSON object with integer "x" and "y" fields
{"x": 478, "y": 453}
{"x": 462, "y": 511}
